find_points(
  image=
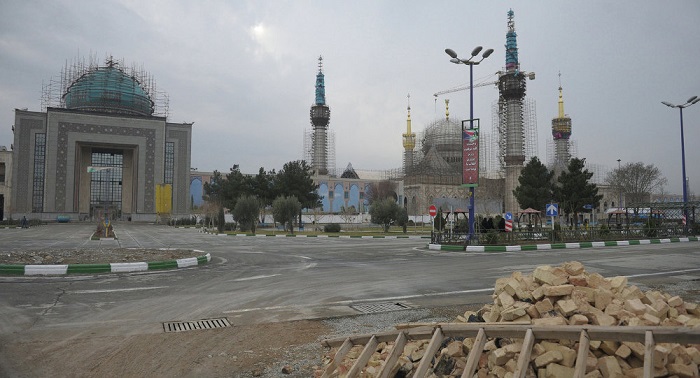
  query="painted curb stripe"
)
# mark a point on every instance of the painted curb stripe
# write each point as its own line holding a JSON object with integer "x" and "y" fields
{"x": 11, "y": 269}
{"x": 532, "y": 247}
{"x": 89, "y": 268}
{"x": 155, "y": 265}
{"x": 129, "y": 267}
{"x": 31, "y": 270}
{"x": 190, "y": 261}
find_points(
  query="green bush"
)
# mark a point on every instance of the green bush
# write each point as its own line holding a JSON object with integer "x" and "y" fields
{"x": 331, "y": 227}
{"x": 491, "y": 237}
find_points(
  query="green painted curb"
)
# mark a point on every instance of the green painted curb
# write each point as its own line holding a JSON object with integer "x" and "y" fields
{"x": 89, "y": 268}
{"x": 494, "y": 248}
{"x": 11, "y": 269}
{"x": 202, "y": 260}
{"x": 528, "y": 247}
{"x": 155, "y": 265}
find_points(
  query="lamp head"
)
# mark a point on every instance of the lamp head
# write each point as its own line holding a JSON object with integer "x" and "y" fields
{"x": 668, "y": 104}
{"x": 476, "y": 50}
{"x": 487, "y": 53}
{"x": 451, "y": 53}
{"x": 695, "y": 101}
{"x": 455, "y": 61}
{"x": 692, "y": 99}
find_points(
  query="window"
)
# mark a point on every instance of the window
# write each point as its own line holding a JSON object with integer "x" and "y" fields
{"x": 169, "y": 162}
{"x": 330, "y": 194}
{"x": 347, "y": 195}
{"x": 39, "y": 168}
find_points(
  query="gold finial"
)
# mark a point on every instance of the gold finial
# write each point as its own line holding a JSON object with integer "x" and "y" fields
{"x": 409, "y": 138}
{"x": 561, "y": 99}
{"x": 447, "y": 108}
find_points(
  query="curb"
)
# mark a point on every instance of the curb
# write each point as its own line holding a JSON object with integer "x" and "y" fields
{"x": 44, "y": 270}
{"x": 535, "y": 247}
{"x": 322, "y": 236}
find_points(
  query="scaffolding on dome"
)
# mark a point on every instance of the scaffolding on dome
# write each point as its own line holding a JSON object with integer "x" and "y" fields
{"x": 54, "y": 91}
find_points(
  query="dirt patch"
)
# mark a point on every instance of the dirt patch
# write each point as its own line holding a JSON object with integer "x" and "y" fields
{"x": 94, "y": 256}
{"x": 239, "y": 351}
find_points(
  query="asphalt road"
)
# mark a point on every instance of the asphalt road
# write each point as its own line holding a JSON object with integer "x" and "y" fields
{"x": 266, "y": 279}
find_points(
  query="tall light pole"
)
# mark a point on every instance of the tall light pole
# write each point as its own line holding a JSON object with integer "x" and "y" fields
{"x": 471, "y": 63}
{"x": 619, "y": 186}
{"x": 691, "y": 101}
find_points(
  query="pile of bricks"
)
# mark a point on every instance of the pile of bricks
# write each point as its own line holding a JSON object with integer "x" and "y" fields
{"x": 558, "y": 296}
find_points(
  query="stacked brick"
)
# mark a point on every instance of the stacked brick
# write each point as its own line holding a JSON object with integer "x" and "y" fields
{"x": 561, "y": 295}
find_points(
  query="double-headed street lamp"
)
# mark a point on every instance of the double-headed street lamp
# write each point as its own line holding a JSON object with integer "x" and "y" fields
{"x": 471, "y": 63}
{"x": 691, "y": 101}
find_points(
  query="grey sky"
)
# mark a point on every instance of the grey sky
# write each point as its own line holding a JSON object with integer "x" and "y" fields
{"x": 244, "y": 71}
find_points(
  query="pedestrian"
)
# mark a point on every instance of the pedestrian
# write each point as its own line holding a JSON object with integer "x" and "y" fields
{"x": 24, "y": 224}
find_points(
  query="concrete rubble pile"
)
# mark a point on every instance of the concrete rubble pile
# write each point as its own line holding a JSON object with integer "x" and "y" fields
{"x": 557, "y": 296}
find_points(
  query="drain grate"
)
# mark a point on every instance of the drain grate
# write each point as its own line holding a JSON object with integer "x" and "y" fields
{"x": 197, "y": 324}
{"x": 380, "y": 307}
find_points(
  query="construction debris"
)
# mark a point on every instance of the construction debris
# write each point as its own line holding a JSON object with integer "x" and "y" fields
{"x": 549, "y": 301}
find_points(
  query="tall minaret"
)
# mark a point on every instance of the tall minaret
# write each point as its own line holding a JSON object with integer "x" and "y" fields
{"x": 320, "y": 116}
{"x": 409, "y": 142}
{"x": 561, "y": 132}
{"x": 511, "y": 87}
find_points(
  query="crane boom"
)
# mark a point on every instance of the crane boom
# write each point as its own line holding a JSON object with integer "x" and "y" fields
{"x": 464, "y": 87}
{"x": 530, "y": 75}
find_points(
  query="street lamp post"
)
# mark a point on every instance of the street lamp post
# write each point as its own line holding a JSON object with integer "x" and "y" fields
{"x": 619, "y": 185}
{"x": 471, "y": 63}
{"x": 691, "y": 101}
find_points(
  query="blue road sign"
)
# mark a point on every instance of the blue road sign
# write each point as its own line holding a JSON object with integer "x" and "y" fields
{"x": 552, "y": 210}
{"x": 509, "y": 216}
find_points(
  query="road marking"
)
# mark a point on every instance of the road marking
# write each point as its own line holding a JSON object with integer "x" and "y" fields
{"x": 672, "y": 272}
{"x": 349, "y": 302}
{"x": 116, "y": 290}
{"x": 254, "y": 277}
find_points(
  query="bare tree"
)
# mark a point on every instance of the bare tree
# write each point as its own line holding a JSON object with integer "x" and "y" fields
{"x": 636, "y": 181}
{"x": 381, "y": 190}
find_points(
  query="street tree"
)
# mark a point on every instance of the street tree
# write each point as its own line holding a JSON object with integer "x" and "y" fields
{"x": 574, "y": 191}
{"x": 262, "y": 186}
{"x": 380, "y": 190}
{"x": 214, "y": 196}
{"x": 384, "y": 212}
{"x": 536, "y": 186}
{"x": 246, "y": 212}
{"x": 284, "y": 210}
{"x": 294, "y": 180}
{"x": 637, "y": 182}
{"x": 234, "y": 186}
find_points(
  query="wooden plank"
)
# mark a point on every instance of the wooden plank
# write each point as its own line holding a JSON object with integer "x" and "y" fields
{"x": 430, "y": 351}
{"x": 649, "y": 346}
{"x": 364, "y": 357}
{"x": 525, "y": 353}
{"x": 475, "y": 354}
{"x": 584, "y": 343}
{"x": 680, "y": 335}
{"x": 399, "y": 344}
{"x": 338, "y": 358}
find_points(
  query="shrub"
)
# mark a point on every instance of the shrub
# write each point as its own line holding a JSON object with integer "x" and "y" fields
{"x": 331, "y": 227}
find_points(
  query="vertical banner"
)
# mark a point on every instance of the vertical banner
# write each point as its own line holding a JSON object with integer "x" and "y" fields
{"x": 470, "y": 153}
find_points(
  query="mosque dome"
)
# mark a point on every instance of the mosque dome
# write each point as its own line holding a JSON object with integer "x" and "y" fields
{"x": 108, "y": 89}
{"x": 444, "y": 136}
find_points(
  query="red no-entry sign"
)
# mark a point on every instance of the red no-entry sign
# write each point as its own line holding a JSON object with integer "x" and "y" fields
{"x": 432, "y": 210}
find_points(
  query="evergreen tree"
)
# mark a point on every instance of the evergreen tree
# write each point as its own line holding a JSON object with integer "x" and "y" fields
{"x": 574, "y": 190}
{"x": 384, "y": 212}
{"x": 246, "y": 212}
{"x": 535, "y": 187}
{"x": 294, "y": 180}
{"x": 284, "y": 209}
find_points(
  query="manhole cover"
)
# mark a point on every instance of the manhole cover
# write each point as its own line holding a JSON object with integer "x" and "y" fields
{"x": 197, "y": 324}
{"x": 380, "y": 307}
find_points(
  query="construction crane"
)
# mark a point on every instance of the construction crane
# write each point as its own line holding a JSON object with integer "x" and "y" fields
{"x": 530, "y": 75}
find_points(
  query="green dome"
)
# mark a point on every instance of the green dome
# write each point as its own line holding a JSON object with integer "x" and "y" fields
{"x": 108, "y": 89}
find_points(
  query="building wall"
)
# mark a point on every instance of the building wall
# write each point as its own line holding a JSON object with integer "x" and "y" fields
{"x": 70, "y": 138}
{"x": 5, "y": 183}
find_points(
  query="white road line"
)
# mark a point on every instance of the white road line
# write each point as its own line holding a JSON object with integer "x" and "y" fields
{"x": 254, "y": 277}
{"x": 116, "y": 290}
{"x": 663, "y": 273}
{"x": 349, "y": 302}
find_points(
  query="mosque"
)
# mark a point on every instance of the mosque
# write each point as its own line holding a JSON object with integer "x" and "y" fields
{"x": 101, "y": 147}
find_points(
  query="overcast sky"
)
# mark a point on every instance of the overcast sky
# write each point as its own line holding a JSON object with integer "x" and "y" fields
{"x": 244, "y": 71}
